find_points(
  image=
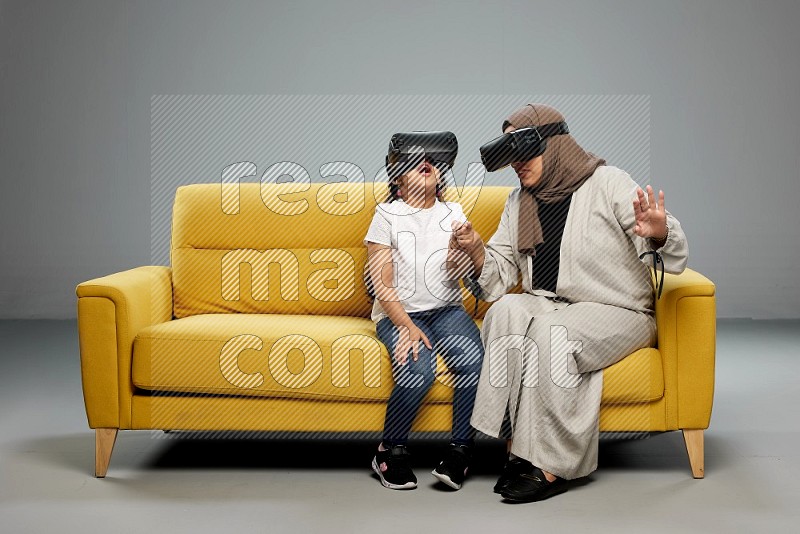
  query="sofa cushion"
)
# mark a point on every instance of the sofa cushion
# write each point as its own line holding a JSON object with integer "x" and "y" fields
{"x": 287, "y": 247}
{"x": 639, "y": 377}
{"x": 316, "y": 357}
{"x": 295, "y": 356}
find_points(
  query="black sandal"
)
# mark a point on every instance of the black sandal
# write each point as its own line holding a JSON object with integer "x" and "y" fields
{"x": 533, "y": 486}
{"x": 511, "y": 470}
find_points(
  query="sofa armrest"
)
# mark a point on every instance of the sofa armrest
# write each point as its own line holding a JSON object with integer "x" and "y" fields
{"x": 111, "y": 311}
{"x": 687, "y": 322}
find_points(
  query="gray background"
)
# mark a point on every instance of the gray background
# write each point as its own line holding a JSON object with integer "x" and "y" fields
{"x": 77, "y": 80}
{"x": 195, "y": 137}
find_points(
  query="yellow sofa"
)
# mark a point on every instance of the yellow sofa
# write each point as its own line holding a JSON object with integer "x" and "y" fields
{"x": 262, "y": 324}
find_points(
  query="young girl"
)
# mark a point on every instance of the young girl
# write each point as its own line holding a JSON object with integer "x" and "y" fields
{"x": 423, "y": 313}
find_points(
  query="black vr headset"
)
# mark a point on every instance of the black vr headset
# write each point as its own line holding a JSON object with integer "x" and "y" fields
{"x": 407, "y": 150}
{"x": 519, "y": 145}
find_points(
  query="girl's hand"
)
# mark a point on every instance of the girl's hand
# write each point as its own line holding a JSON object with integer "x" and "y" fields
{"x": 651, "y": 217}
{"x": 410, "y": 336}
{"x": 464, "y": 237}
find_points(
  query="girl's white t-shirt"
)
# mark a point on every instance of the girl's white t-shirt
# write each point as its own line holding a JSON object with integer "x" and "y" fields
{"x": 419, "y": 240}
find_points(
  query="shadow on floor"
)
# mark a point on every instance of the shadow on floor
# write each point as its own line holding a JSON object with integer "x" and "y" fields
{"x": 307, "y": 453}
{"x": 156, "y": 450}
{"x": 149, "y": 464}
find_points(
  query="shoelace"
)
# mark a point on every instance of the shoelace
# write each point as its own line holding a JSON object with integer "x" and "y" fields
{"x": 657, "y": 260}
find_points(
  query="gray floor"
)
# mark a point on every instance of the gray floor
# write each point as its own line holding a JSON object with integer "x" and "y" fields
{"x": 182, "y": 485}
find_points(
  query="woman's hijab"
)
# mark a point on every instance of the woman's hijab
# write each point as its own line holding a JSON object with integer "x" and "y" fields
{"x": 565, "y": 167}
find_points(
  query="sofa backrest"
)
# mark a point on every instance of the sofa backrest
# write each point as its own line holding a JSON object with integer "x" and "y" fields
{"x": 287, "y": 248}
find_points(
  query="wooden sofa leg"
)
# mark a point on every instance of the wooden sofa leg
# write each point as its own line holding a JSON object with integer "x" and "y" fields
{"x": 104, "y": 439}
{"x": 694, "y": 446}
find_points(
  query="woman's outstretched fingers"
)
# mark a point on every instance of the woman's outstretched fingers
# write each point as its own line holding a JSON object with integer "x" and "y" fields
{"x": 651, "y": 198}
{"x": 661, "y": 200}
{"x": 641, "y": 199}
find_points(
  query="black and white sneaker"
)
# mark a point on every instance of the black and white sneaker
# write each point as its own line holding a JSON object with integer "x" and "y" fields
{"x": 393, "y": 468}
{"x": 452, "y": 470}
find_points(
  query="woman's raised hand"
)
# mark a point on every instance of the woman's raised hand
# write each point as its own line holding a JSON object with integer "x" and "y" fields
{"x": 651, "y": 217}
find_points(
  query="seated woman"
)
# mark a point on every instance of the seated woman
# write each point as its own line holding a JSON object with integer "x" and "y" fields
{"x": 582, "y": 235}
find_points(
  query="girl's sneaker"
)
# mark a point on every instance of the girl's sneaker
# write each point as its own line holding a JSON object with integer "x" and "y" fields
{"x": 393, "y": 468}
{"x": 453, "y": 469}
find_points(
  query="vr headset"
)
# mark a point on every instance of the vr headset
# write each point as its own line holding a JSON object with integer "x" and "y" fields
{"x": 519, "y": 145}
{"x": 408, "y": 150}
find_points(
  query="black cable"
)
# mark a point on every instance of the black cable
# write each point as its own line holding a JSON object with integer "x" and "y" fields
{"x": 657, "y": 259}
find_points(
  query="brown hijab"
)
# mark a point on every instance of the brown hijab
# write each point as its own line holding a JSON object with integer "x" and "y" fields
{"x": 565, "y": 166}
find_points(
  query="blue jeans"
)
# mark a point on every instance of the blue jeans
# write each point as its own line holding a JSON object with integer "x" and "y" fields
{"x": 454, "y": 335}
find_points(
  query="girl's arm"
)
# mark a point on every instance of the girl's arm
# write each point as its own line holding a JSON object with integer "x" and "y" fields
{"x": 381, "y": 269}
